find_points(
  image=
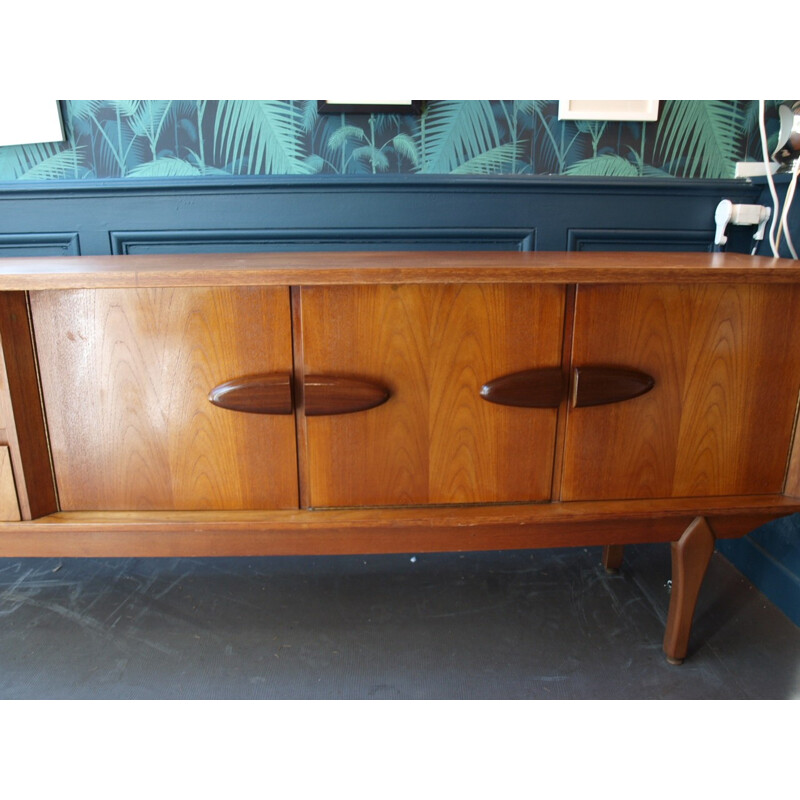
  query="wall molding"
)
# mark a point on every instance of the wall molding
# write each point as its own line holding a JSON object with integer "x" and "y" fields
{"x": 266, "y": 240}
{"x": 522, "y": 212}
{"x": 39, "y": 244}
{"x": 239, "y": 184}
{"x": 663, "y": 240}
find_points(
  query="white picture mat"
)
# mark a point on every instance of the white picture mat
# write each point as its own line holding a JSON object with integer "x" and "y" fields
{"x": 29, "y": 122}
{"x": 612, "y": 110}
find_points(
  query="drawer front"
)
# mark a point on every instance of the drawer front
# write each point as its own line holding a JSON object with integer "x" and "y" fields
{"x": 126, "y": 377}
{"x": 432, "y": 348}
{"x": 725, "y": 366}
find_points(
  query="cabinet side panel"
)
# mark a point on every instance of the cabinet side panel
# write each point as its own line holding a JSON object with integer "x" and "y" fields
{"x": 726, "y": 365}
{"x": 20, "y": 399}
{"x": 792, "y": 485}
{"x": 435, "y": 440}
{"x": 125, "y": 378}
{"x": 3, "y": 400}
{"x": 9, "y": 506}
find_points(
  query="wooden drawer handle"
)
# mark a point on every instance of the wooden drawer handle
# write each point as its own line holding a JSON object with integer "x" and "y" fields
{"x": 329, "y": 394}
{"x": 598, "y": 386}
{"x": 533, "y": 388}
{"x": 255, "y": 394}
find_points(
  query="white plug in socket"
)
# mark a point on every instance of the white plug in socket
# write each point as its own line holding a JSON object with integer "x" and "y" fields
{"x": 739, "y": 214}
{"x": 722, "y": 217}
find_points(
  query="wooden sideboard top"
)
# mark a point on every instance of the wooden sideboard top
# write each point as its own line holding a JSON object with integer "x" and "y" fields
{"x": 328, "y": 268}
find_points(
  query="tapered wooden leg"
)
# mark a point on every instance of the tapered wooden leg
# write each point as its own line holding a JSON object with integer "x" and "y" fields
{"x": 691, "y": 555}
{"x": 612, "y": 557}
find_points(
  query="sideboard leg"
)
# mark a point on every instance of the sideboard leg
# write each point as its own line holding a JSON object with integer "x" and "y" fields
{"x": 691, "y": 555}
{"x": 612, "y": 557}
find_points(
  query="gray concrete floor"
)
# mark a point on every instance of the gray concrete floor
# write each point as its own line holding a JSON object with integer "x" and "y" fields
{"x": 514, "y": 625}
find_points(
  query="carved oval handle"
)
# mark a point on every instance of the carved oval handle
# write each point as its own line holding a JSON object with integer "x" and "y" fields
{"x": 533, "y": 388}
{"x": 255, "y": 394}
{"x": 330, "y": 394}
{"x": 597, "y": 386}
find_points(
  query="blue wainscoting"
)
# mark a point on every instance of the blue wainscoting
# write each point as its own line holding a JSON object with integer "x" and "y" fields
{"x": 400, "y": 212}
{"x": 412, "y": 212}
{"x": 770, "y": 557}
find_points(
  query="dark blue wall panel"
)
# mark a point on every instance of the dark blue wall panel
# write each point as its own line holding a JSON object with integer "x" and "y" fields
{"x": 399, "y": 212}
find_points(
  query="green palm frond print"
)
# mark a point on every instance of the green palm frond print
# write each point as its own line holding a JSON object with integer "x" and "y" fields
{"x": 171, "y": 139}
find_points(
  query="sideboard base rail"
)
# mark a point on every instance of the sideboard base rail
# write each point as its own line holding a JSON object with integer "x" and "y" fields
{"x": 379, "y": 530}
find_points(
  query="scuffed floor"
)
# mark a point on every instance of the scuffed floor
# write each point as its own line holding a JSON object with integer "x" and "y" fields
{"x": 533, "y": 624}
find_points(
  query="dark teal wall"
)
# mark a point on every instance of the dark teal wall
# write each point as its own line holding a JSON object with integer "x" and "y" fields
{"x": 770, "y": 557}
{"x": 195, "y": 138}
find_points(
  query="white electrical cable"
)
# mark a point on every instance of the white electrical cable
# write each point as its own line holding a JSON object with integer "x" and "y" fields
{"x": 787, "y": 204}
{"x": 763, "y": 128}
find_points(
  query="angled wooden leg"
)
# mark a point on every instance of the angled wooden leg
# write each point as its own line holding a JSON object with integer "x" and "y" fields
{"x": 691, "y": 555}
{"x": 612, "y": 557}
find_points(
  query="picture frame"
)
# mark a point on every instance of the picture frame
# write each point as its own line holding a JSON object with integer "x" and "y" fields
{"x": 31, "y": 121}
{"x": 393, "y": 107}
{"x": 611, "y": 110}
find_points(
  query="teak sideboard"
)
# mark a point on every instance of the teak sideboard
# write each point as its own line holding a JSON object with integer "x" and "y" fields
{"x": 323, "y": 403}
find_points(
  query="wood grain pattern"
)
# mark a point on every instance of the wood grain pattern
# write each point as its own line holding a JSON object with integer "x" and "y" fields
{"x": 394, "y": 530}
{"x": 255, "y": 394}
{"x": 726, "y": 361}
{"x": 436, "y": 441}
{"x": 125, "y": 377}
{"x": 26, "y": 426}
{"x": 388, "y": 268}
{"x": 691, "y": 555}
{"x": 9, "y": 506}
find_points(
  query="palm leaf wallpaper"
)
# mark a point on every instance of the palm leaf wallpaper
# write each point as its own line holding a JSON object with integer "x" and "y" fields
{"x": 134, "y": 139}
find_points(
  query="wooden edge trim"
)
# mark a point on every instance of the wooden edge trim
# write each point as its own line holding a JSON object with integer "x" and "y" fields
{"x": 298, "y": 388}
{"x": 332, "y": 532}
{"x": 9, "y": 439}
{"x": 331, "y": 268}
{"x": 791, "y": 484}
{"x": 78, "y": 539}
{"x": 373, "y": 276}
{"x": 570, "y": 302}
{"x": 9, "y": 504}
{"x": 30, "y": 446}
